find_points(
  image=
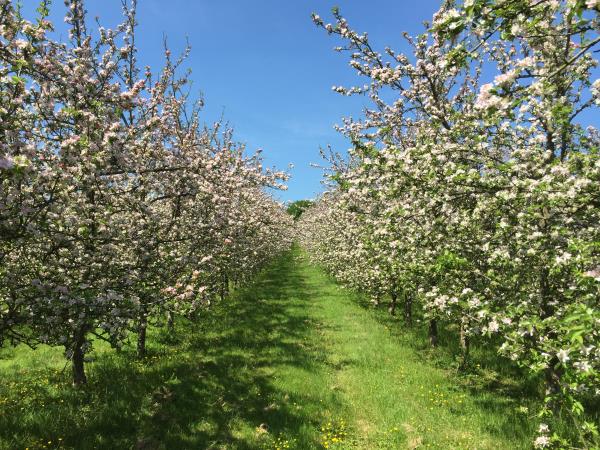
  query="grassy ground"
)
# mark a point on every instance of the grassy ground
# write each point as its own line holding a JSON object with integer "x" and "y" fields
{"x": 291, "y": 362}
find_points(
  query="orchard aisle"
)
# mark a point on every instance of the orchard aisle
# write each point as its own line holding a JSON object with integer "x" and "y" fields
{"x": 292, "y": 361}
{"x": 332, "y": 374}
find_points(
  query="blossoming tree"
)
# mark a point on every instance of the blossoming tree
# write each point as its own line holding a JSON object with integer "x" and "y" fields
{"x": 472, "y": 187}
{"x": 116, "y": 202}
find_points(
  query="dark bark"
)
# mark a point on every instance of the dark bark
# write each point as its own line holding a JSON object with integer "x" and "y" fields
{"x": 433, "y": 333}
{"x": 464, "y": 345}
{"x": 393, "y": 303}
{"x": 224, "y": 287}
{"x": 77, "y": 360}
{"x": 553, "y": 373}
{"x": 408, "y": 301}
{"x": 170, "y": 321}
{"x": 141, "y": 340}
{"x": 545, "y": 294}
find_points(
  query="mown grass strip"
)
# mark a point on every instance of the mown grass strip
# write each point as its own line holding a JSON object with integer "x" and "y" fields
{"x": 293, "y": 361}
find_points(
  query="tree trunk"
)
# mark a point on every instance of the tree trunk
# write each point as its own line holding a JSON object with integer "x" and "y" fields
{"x": 547, "y": 309}
{"x": 464, "y": 345}
{"x": 552, "y": 373}
{"x": 224, "y": 287}
{"x": 552, "y": 376}
{"x": 392, "y": 307}
{"x": 408, "y": 300}
{"x": 433, "y": 333}
{"x": 141, "y": 340}
{"x": 170, "y": 321}
{"x": 77, "y": 361}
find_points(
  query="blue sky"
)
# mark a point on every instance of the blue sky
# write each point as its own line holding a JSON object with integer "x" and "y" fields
{"x": 266, "y": 67}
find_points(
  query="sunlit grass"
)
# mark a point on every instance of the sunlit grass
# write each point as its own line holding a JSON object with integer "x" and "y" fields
{"x": 293, "y": 361}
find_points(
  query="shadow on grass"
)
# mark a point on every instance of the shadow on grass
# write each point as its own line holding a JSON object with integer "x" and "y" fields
{"x": 212, "y": 389}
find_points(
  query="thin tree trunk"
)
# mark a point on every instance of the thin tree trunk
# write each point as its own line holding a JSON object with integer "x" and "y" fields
{"x": 408, "y": 301}
{"x": 552, "y": 373}
{"x": 433, "y": 333}
{"x": 141, "y": 340}
{"x": 393, "y": 303}
{"x": 224, "y": 287}
{"x": 77, "y": 360}
{"x": 464, "y": 345}
{"x": 552, "y": 377}
{"x": 170, "y": 321}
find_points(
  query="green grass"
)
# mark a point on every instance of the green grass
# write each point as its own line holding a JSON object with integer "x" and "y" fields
{"x": 293, "y": 361}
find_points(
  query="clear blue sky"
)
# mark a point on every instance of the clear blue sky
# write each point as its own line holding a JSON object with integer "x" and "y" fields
{"x": 266, "y": 67}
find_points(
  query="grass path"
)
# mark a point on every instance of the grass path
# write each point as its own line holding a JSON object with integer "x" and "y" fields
{"x": 291, "y": 362}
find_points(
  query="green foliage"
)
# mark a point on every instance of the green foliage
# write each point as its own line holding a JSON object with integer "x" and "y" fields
{"x": 296, "y": 208}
